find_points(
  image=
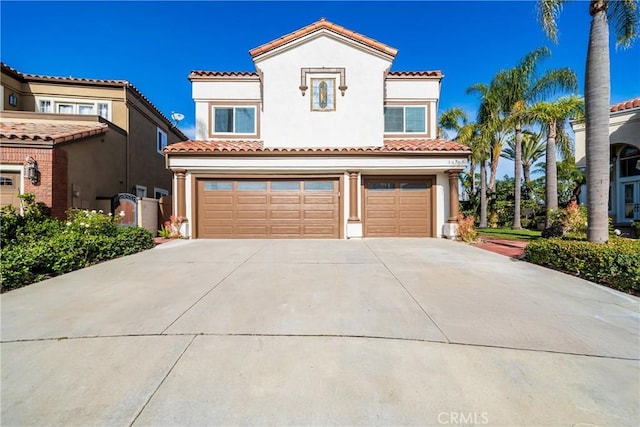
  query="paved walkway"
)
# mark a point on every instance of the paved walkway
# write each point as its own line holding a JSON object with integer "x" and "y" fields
{"x": 510, "y": 248}
{"x": 339, "y": 332}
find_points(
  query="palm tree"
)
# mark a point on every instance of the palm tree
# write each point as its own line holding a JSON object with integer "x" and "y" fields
{"x": 625, "y": 16}
{"x": 518, "y": 87}
{"x": 467, "y": 133}
{"x": 553, "y": 116}
{"x": 533, "y": 148}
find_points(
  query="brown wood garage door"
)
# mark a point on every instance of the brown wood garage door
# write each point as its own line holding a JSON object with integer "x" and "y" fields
{"x": 398, "y": 207}
{"x": 258, "y": 208}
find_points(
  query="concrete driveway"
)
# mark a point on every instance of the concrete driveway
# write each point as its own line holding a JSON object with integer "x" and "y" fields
{"x": 342, "y": 332}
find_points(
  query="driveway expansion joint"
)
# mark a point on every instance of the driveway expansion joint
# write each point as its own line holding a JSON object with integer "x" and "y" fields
{"x": 162, "y": 381}
{"x": 408, "y": 292}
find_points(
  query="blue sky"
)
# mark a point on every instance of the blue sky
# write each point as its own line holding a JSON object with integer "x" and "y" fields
{"x": 155, "y": 44}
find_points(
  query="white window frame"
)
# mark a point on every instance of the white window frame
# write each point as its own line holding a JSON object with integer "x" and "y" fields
{"x": 160, "y": 191}
{"x": 404, "y": 119}
{"x": 76, "y": 103}
{"x": 142, "y": 189}
{"x": 212, "y": 115}
{"x": 161, "y": 140}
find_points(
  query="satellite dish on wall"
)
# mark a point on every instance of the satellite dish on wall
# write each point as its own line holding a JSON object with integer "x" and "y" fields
{"x": 177, "y": 117}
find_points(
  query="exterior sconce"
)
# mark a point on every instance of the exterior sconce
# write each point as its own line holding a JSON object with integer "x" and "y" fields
{"x": 31, "y": 170}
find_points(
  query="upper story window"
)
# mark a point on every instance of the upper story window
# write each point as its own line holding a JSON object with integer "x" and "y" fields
{"x": 405, "y": 119}
{"x": 234, "y": 119}
{"x": 240, "y": 120}
{"x": 71, "y": 106}
{"x": 161, "y": 140}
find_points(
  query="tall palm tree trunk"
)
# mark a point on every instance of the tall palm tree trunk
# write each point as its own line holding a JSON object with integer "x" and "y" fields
{"x": 483, "y": 194}
{"x": 597, "y": 95}
{"x": 517, "y": 179}
{"x": 551, "y": 174}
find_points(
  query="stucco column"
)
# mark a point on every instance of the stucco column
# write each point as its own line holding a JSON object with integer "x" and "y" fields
{"x": 182, "y": 192}
{"x": 353, "y": 196}
{"x": 453, "y": 195}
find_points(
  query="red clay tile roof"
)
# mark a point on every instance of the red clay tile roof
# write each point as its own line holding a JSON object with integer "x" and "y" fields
{"x": 433, "y": 73}
{"x": 116, "y": 83}
{"x": 319, "y": 25}
{"x": 201, "y": 73}
{"x": 50, "y": 131}
{"x": 255, "y": 147}
{"x": 626, "y": 105}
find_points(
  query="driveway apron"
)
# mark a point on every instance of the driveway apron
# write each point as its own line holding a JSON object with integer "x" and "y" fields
{"x": 337, "y": 332}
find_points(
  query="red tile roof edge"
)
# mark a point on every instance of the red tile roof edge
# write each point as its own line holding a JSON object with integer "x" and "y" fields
{"x": 626, "y": 105}
{"x": 204, "y": 73}
{"x": 318, "y": 25}
{"x": 425, "y": 73}
{"x": 255, "y": 147}
{"x": 82, "y": 132}
{"x": 120, "y": 83}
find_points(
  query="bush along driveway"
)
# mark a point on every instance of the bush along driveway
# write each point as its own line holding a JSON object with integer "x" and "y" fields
{"x": 36, "y": 247}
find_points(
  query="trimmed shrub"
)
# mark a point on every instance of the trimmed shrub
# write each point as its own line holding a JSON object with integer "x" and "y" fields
{"x": 38, "y": 247}
{"x": 615, "y": 264}
{"x": 636, "y": 228}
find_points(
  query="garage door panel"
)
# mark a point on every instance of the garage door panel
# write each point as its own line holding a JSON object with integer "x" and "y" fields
{"x": 319, "y": 200}
{"x": 319, "y": 214}
{"x": 271, "y": 208}
{"x": 398, "y": 206}
{"x": 285, "y": 214}
{"x": 218, "y": 215}
{"x": 285, "y": 200}
{"x": 247, "y": 200}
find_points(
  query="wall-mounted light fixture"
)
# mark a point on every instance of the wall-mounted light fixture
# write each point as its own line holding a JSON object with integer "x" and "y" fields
{"x": 31, "y": 170}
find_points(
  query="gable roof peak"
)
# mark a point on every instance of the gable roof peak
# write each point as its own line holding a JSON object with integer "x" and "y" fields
{"x": 319, "y": 25}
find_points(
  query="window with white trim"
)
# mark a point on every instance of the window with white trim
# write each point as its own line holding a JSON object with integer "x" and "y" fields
{"x": 161, "y": 140}
{"x": 141, "y": 191}
{"x": 405, "y": 119}
{"x": 234, "y": 120}
{"x": 159, "y": 192}
{"x": 74, "y": 106}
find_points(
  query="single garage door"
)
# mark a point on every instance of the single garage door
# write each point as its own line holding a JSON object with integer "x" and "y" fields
{"x": 398, "y": 207}
{"x": 277, "y": 208}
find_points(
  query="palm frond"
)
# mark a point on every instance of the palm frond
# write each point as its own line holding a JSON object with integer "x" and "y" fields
{"x": 624, "y": 16}
{"x": 552, "y": 81}
{"x": 548, "y": 12}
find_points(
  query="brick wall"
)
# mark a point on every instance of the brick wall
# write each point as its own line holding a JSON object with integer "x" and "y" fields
{"x": 52, "y": 164}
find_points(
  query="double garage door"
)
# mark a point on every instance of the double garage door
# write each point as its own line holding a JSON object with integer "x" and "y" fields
{"x": 255, "y": 208}
{"x": 310, "y": 208}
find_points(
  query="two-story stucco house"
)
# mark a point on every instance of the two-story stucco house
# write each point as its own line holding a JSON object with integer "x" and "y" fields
{"x": 89, "y": 138}
{"x": 624, "y": 142}
{"x": 322, "y": 140}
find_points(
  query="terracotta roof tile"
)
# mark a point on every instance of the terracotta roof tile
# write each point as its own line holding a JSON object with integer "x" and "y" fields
{"x": 626, "y": 105}
{"x": 319, "y": 25}
{"x": 51, "y": 131}
{"x": 433, "y": 73}
{"x": 390, "y": 146}
{"x": 202, "y": 73}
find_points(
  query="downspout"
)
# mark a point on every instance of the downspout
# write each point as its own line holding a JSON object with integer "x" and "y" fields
{"x": 126, "y": 107}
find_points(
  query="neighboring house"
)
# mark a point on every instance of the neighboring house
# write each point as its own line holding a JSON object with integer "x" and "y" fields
{"x": 90, "y": 139}
{"x": 624, "y": 140}
{"x": 322, "y": 140}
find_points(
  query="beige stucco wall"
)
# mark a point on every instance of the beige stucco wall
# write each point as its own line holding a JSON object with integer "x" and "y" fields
{"x": 96, "y": 168}
{"x": 12, "y": 86}
{"x": 146, "y": 165}
{"x": 624, "y": 128}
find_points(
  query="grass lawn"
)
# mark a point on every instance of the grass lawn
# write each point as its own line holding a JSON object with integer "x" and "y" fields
{"x": 509, "y": 234}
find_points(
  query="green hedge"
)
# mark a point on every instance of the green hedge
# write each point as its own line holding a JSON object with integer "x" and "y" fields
{"x": 36, "y": 247}
{"x": 615, "y": 264}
